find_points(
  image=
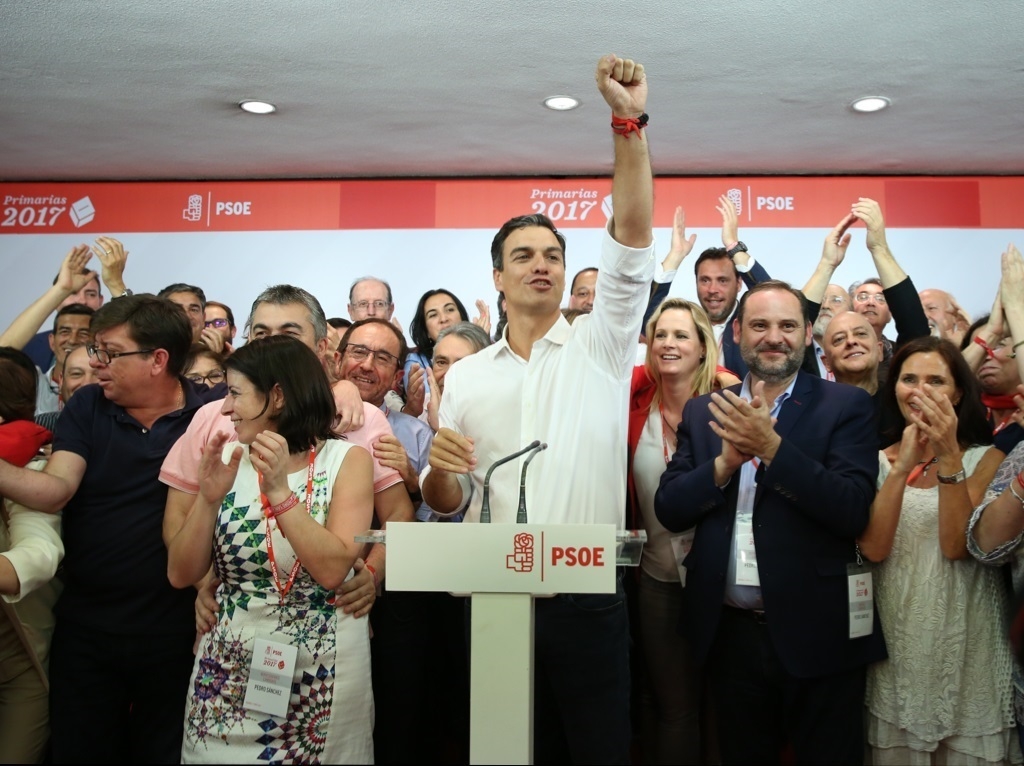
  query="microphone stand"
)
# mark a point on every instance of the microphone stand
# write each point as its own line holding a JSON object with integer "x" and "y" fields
{"x": 521, "y": 513}
{"x": 485, "y": 506}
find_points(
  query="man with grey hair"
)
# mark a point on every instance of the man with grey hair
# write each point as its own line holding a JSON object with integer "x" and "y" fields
{"x": 453, "y": 343}
{"x": 289, "y": 310}
{"x": 370, "y": 297}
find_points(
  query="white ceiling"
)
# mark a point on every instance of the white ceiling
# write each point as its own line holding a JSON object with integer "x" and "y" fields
{"x": 112, "y": 89}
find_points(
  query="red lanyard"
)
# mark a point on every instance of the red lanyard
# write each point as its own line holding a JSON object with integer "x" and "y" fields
{"x": 283, "y": 590}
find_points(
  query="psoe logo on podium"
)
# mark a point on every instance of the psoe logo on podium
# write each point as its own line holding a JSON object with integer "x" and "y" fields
{"x": 521, "y": 559}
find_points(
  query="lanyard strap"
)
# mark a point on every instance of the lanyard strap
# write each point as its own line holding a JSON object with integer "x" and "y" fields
{"x": 283, "y": 589}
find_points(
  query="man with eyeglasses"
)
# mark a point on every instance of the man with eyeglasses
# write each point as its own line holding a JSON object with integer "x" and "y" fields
{"x": 370, "y": 297}
{"x": 289, "y": 310}
{"x": 219, "y": 318}
{"x": 409, "y": 672}
{"x": 121, "y": 654}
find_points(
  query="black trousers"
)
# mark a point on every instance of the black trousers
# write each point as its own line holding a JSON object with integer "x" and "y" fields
{"x": 117, "y": 698}
{"x": 761, "y": 708}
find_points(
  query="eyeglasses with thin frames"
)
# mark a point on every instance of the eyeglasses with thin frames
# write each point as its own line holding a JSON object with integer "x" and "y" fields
{"x": 383, "y": 358}
{"x": 218, "y": 323}
{"x": 363, "y": 305}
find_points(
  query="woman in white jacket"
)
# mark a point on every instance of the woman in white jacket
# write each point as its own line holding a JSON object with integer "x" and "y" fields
{"x": 30, "y": 550}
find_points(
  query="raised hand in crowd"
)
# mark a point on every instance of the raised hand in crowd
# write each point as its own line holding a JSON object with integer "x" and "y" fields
{"x": 832, "y": 254}
{"x": 71, "y": 278}
{"x": 113, "y": 257}
{"x": 681, "y": 244}
{"x": 482, "y": 319}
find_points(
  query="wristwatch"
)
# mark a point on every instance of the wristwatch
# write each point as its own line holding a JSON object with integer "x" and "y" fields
{"x": 739, "y": 247}
{"x": 953, "y": 478}
{"x": 126, "y": 293}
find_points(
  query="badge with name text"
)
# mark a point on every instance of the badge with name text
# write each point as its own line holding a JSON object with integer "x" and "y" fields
{"x": 270, "y": 677}
{"x": 862, "y": 613}
{"x": 746, "y": 556}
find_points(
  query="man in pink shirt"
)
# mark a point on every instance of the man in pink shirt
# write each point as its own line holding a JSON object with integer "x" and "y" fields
{"x": 288, "y": 310}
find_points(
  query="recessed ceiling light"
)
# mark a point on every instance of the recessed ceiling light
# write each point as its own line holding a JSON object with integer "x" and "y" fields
{"x": 870, "y": 104}
{"x": 561, "y": 103}
{"x": 257, "y": 107}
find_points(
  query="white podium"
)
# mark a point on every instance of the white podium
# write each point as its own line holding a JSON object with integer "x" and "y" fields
{"x": 503, "y": 567}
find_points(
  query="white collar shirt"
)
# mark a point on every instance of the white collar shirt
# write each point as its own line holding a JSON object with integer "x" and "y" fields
{"x": 572, "y": 393}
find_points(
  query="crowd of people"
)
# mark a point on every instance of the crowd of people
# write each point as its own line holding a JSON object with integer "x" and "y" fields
{"x": 834, "y": 517}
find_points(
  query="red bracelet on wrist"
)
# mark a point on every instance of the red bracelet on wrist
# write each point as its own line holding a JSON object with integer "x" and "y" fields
{"x": 373, "y": 571}
{"x": 1020, "y": 480}
{"x": 290, "y": 502}
{"x": 623, "y": 126}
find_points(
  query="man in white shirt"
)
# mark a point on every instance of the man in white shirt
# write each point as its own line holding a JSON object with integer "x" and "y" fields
{"x": 568, "y": 386}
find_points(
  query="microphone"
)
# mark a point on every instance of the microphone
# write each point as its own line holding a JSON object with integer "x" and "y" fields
{"x": 521, "y": 513}
{"x": 485, "y": 506}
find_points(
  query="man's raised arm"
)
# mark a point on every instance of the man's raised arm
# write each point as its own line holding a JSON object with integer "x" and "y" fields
{"x": 623, "y": 84}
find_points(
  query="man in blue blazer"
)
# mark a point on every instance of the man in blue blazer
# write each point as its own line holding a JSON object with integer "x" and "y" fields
{"x": 777, "y": 476}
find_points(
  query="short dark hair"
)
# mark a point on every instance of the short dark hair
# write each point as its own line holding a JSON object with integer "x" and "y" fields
{"x": 403, "y": 347}
{"x": 197, "y": 351}
{"x": 514, "y": 224}
{"x": 339, "y": 323}
{"x": 972, "y": 427}
{"x": 282, "y": 295}
{"x": 580, "y": 273}
{"x": 181, "y": 287}
{"x": 226, "y": 308}
{"x": 973, "y": 329}
{"x": 18, "y": 382}
{"x": 72, "y": 309}
{"x": 281, "y": 360}
{"x": 773, "y": 284}
{"x": 418, "y": 326}
{"x": 95, "y": 278}
{"x": 714, "y": 254}
{"x": 151, "y": 322}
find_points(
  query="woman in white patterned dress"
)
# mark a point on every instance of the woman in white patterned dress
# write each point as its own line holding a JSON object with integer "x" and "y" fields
{"x": 944, "y": 696}
{"x": 276, "y": 514}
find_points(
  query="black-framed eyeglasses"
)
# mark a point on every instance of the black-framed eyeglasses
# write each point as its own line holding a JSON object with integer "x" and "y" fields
{"x": 218, "y": 323}
{"x": 106, "y": 357}
{"x": 212, "y": 378}
{"x": 359, "y": 353}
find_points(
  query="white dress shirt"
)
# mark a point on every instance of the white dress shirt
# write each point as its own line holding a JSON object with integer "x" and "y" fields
{"x": 573, "y": 393}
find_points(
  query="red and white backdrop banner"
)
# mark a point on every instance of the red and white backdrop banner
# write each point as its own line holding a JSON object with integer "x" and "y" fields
{"x": 234, "y": 238}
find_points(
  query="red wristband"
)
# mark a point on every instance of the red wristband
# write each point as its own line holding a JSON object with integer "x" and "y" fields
{"x": 1020, "y": 481}
{"x": 290, "y": 502}
{"x": 373, "y": 571}
{"x": 988, "y": 349}
{"x": 623, "y": 126}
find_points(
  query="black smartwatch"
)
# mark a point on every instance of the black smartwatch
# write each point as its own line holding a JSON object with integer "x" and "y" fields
{"x": 739, "y": 247}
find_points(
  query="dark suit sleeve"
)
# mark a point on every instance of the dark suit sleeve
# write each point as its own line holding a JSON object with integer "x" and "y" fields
{"x": 756, "y": 275}
{"x": 659, "y": 292}
{"x": 907, "y": 312}
{"x": 830, "y": 477}
{"x": 687, "y": 492}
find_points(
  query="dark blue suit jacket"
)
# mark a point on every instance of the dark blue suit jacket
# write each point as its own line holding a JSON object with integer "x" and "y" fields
{"x": 811, "y": 504}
